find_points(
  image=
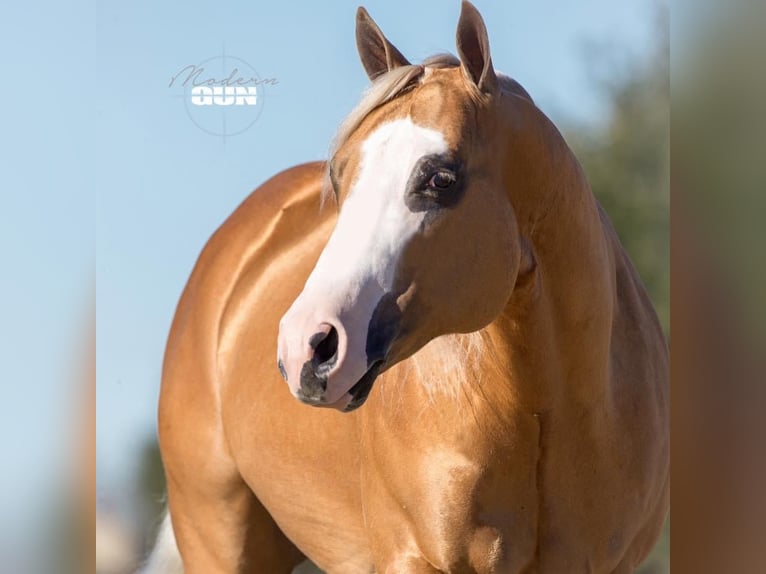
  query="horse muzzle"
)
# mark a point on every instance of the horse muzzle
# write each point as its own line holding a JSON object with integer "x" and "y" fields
{"x": 322, "y": 365}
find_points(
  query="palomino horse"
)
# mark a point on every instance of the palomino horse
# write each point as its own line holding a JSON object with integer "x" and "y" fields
{"x": 496, "y": 377}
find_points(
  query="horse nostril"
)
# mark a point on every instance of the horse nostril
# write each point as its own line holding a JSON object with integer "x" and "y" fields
{"x": 325, "y": 347}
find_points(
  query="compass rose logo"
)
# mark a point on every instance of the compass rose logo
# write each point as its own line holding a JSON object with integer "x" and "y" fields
{"x": 223, "y": 95}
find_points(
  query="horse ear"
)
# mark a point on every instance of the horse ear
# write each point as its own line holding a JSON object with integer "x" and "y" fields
{"x": 473, "y": 48}
{"x": 378, "y": 55}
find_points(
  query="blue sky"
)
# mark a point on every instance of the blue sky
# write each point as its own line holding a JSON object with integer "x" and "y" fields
{"x": 47, "y": 210}
{"x": 158, "y": 186}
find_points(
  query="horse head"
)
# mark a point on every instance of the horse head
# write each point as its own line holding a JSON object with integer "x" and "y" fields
{"x": 426, "y": 241}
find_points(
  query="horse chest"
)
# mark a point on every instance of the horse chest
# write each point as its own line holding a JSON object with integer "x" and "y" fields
{"x": 462, "y": 505}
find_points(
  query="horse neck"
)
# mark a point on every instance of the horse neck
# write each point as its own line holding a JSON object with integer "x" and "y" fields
{"x": 549, "y": 347}
{"x": 553, "y": 336}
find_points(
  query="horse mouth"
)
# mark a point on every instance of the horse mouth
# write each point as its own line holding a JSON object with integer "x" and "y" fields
{"x": 361, "y": 390}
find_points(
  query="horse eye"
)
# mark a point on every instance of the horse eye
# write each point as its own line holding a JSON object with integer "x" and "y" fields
{"x": 441, "y": 180}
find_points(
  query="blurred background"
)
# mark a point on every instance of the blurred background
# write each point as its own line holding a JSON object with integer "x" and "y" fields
{"x": 599, "y": 69}
{"x": 92, "y": 130}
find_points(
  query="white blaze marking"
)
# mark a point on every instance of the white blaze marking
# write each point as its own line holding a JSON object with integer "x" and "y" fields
{"x": 375, "y": 224}
{"x": 358, "y": 264}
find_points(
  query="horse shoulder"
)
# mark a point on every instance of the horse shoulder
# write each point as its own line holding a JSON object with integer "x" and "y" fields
{"x": 189, "y": 410}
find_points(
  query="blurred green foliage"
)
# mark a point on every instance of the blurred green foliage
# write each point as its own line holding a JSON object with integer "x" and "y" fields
{"x": 150, "y": 484}
{"x": 627, "y": 161}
